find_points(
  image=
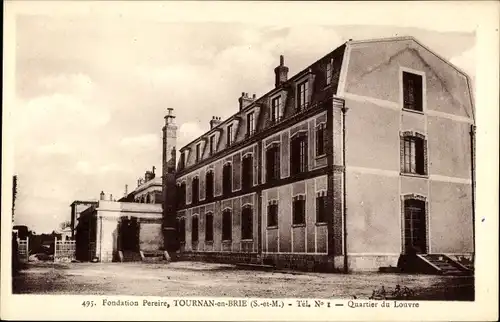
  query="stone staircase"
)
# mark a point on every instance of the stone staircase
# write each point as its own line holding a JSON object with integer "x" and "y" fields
{"x": 154, "y": 256}
{"x": 129, "y": 256}
{"x": 444, "y": 265}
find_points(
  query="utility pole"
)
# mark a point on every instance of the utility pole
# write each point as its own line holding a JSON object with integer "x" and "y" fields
{"x": 14, "y": 195}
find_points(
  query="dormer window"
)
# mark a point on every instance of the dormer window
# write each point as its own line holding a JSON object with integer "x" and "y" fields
{"x": 302, "y": 95}
{"x": 198, "y": 152}
{"x": 276, "y": 109}
{"x": 211, "y": 144}
{"x": 229, "y": 135}
{"x": 250, "y": 123}
{"x": 182, "y": 161}
{"x": 329, "y": 73}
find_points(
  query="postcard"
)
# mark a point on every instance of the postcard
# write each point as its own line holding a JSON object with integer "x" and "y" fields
{"x": 278, "y": 161}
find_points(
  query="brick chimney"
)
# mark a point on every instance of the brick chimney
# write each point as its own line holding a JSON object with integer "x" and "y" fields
{"x": 214, "y": 122}
{"x": 126, "y": 190}
{"x": 110, "y": 197}
{"x": 102, "y": 195}
{"x": 149, "y": 175}
{"x": 245, "y": 100}
{"x": 281, "y": 72}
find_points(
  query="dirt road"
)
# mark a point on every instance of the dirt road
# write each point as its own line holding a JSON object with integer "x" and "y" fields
{"x": 205, "y": 279}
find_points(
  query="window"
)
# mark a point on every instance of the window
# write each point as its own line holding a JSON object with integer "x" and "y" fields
{"x": 181, "y": 194}
{"x": 198, "y": 152}
{"x": 211, "y": 144}
{"x": 276, "y": 109}
{"x": 209, "y": 188}
{"x": 298, "y": 160}
{"x": 320, "y": 139}
{"x": 182, "y": 161}
{"x": 321, "y": 208}
{"x": 303, "y": 95}
{"x": 209, "y": 227}
{"x": 247, "y": 172}
{"x": 412, "y": 91}
{"x": 195, "y": 190}
{"x": 272, "y": 214}
{"x": 229, "y": 138}
{"x": 227, "y": 225}
{"x": 299, "y": 210}
{"x": 226, "y": 179}
{"x": 250, "y": 123}
{"x": 273, "y": 163}
{"x": 329, "y": 73}
{"x": 413, "y": 158}
{"x": 194, "y": 231}
{"x": 246, "y": 223}
{"x": 182, "y": 230}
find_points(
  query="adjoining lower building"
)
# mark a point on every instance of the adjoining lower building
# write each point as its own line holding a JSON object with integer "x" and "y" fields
{"x": 125, "y": 230}
{"x": 77, "y": 207}
{"x": 362, "y": 158}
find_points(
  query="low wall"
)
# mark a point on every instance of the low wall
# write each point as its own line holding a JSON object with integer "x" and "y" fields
{"x": 298, "y": 262}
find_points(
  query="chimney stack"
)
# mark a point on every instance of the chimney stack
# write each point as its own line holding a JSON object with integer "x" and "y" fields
{"x": 110, "y": 197}
{"x": 246, "y": 100}
{"x": 126, "y": 190}
{"x": 149, "y": 175}
{"x": 281, "y": 72}
{"x": 102, "y": 195}
{"x": 170, "y": 117}
{"x": 214, "y": 122}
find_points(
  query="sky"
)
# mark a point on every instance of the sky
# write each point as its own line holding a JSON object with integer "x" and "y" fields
{"x": 91, "y": 93}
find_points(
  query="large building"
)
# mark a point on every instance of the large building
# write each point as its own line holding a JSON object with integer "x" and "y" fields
{"x": 365, "y": 155}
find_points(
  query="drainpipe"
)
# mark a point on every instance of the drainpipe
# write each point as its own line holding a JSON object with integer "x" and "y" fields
{"x": 344, "y": 221}
{"x": 473, "y": 178}
{"x": 100, "y": 239}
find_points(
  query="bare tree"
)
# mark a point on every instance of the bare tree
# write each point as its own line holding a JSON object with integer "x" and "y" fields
{"x": 65, "y": 224}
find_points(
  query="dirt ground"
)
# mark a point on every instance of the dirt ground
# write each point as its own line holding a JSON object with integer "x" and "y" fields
{"x": 206, "y": 279}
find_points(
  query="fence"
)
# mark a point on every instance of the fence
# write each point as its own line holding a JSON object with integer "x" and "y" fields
{"x": 64, "y": 250}
{"x": 23, "y": 249}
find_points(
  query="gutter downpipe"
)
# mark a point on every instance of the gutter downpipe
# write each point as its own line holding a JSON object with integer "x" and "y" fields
{"x": 344, "y": 222}
{"x": 473, "y": 178}
{"x": 100, "y": 239}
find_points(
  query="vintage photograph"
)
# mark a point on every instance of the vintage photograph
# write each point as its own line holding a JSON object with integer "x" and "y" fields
{"x": 239, "y": 159}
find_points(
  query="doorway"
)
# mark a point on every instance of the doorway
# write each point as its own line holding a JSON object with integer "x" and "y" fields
{"x": 415, "y": 227}
{"x": 129, "y": 234}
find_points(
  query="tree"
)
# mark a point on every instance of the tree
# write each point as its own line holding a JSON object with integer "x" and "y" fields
{"x": 65, "y": 224}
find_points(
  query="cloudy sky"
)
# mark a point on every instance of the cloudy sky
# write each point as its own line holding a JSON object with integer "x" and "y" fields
{"x": 91, "y": 93}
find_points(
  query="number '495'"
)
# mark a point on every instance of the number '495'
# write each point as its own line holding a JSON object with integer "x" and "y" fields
{"x": 88, "y": 304}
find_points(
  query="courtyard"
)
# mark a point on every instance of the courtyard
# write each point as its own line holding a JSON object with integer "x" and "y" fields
{"x": 220, "y": 280}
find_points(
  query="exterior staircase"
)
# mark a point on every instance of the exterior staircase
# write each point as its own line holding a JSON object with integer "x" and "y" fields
{"x": 444, "y": 265}
{"x": 129, "y": 256}
{"x": 154, "y": 256}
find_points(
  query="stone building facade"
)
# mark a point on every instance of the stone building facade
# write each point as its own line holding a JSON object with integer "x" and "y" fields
{"x": 361, "y": 157}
